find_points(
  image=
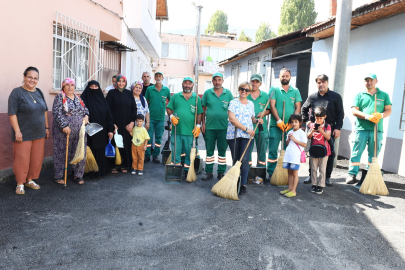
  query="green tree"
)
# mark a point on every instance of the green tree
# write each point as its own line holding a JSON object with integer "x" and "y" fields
{"x": 295, "y": 15}
{"x": 218, "y": 23}
{"x": 264, "y": 32}
{"x": 243, "y": 37}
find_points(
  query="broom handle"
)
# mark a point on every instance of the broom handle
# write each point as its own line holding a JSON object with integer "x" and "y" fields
{"x": 261, "y": 117}
{"x": 282, "y": 136}
{"x": 375, "y": 127}
{"x": 195, "y": 115}
{"x": 66, "y": 156}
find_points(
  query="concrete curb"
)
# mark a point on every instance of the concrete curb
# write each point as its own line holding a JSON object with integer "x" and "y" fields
{"x": 8, "y": 175}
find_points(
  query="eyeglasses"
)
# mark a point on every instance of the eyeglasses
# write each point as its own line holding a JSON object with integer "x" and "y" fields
{"x": 244, "y": 89}
{"x": 32, "y": 78}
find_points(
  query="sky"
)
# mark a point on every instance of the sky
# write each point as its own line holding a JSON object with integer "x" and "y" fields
{"x": 246, "y": 14}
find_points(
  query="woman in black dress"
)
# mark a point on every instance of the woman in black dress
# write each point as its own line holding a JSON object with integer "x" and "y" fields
{"x": 100, "y": 113}
{"x": 123, "y": 108}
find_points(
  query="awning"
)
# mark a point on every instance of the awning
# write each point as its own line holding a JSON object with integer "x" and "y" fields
{"x": 118, "y": 46}
{"x": 299, "y": 54}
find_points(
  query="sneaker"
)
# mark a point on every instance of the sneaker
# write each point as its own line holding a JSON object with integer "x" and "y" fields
{"x": 242, "y": 190}
{"x": 290, "y": 194}
{"x": 220, "y": 175}
{"x": 313, "y": 189}
{"x": 207, "y": 176}
{"x": 134, "y": 171}
{"x": 319, "y": 190}
{"x": 140, "y": 172}
{"x": 147, "y": 159}
{"x": 284, "y": 191}
{"x": 351, "y": 180}
{"x": 307, "y": 180}
{"x": 156, "y": 159}
{"x": 328, "y": 183}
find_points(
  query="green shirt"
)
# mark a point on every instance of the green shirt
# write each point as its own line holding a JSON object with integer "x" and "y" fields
{"x": 259, "y": 103}
{"x": 366, "y": 104}
{"x": 216, "y": 116}
{"x": 291, "y": 97}
{"x": 185, "y": 110}
{"x": 157, "y": 102}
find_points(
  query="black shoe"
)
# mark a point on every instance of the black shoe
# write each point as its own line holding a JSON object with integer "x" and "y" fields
{"x": 313, "y": 189}
{"x": 147, "y": 159}
{"x": 269, "y": 178}
{"x": 307, "y": 180}
{"x": 207, "y": 176}
{"x": 328, "y": 183}
{"x": 220, "y": 175}
{"x": 185, "y": 174}
{"x": 351, "y": 180}
{"x": 319, "y": 190}
{"x": 156, "y": 159}
{"x": 242, "y": 190}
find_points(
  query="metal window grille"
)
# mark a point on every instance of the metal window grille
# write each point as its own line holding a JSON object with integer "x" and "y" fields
{"x": 252, "y": 67}
{"x": 235, "y": 79}
{"x": 402, "y": 120}
{"x": 76, "y": 52}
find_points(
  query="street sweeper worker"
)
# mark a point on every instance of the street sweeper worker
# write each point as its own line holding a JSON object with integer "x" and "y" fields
{"x": 215, "y": 104}
{"x": 292, "y": 98}
{"x": 259, "y": 99}
{"x": 363, "y": 109}
{"x": 183, "y": 104}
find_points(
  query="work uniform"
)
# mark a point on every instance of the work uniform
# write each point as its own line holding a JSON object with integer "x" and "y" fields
{"x": 185, "y": 110}
{"x": 157, "y": 109}
{"x": 259, "y": 104}
{"x": 364, "y": 129}
{"x": 216, "y": 124}
{"x": 291, "y": 97}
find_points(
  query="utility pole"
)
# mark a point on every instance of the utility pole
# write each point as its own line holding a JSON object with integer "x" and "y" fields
{"x": 198, "y": 48}
{"x": 340, "y": 51}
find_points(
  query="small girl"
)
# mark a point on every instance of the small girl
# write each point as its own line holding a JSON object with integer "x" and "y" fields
{"x": 297, "y": 140}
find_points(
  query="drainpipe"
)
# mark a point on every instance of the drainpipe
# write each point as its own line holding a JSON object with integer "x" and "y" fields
{"x": 198, "y": 49}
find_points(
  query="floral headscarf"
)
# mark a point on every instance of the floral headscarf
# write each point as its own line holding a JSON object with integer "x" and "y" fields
{"x": 118, "y": 79}
{"x": 135, "y": 83}
{"x": 64, "y": 103}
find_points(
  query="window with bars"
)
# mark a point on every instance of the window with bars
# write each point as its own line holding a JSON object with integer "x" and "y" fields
{"x": 174, "y": 84}
{"x": 175, "y": 51}
{"x": 216, "y": 54}
{"x": 252, "y": 67}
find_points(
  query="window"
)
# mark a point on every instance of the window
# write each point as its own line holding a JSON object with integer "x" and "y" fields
{"x": 252, "y": 67}
{"x": 174, "y": 84}
{"x": 217, "y": 54}
{"x": 208, "y": 85}
{"x": 175, "y": 51}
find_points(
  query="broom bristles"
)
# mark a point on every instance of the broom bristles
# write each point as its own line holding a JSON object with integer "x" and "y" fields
{"x": 374, "y": 183}
{"x": 169, "y": 159}
{"x": 280, "y": 175}
{"x": 91, "y": 164}
{"x": 79, "y": 154}
{"x": 227, "y": 187}
{"x": 191, "y": 176}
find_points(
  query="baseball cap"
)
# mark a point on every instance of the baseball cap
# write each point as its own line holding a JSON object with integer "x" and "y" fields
{"x": 188, "y": 79}
{"x": 218, "y": 74}
{"x": 371, "y": 75}
{"x": 158, "y": 72}
{"x": 256, "y": 77}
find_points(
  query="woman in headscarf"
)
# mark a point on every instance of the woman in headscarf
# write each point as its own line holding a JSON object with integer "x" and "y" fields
{"x": 69, "y": 112}
{"x": 141, "y": 103}
{"x": 123, "y": 109}
{"x": 100, "y": 113}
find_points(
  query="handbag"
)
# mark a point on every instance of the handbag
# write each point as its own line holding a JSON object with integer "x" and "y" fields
{"x": 320, "y": 151}
{"x": 303, "y": 157}
{"x": 110, "y": 150}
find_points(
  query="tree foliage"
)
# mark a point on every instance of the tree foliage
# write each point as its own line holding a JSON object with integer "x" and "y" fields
{"x": 243, "y": 37}
{"x": 218, "y": 23}
{"x": 264, "y": 32}
{"x": 295, "y": 15}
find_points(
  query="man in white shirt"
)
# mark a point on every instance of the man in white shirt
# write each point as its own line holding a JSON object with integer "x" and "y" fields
{"x": 111, "y": 87}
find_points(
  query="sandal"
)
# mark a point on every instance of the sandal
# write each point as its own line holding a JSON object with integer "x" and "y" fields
{"x": 124, "y": 170}
{"x": 78, "y": 180}
{"x": 32, "y": 184}
{"x": 20, "y": 190}
{"x": 58, "y": 181}
{"x": 114, "y": 171}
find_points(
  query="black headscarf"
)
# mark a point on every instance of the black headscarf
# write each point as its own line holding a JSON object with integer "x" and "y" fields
{"x": 99, "y": 113}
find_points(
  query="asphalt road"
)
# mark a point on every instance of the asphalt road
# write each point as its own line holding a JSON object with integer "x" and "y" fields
{"x": 136, "y": 222}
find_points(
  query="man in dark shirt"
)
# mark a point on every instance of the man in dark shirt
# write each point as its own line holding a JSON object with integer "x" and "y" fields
{"x": 146, "y": 82}
{"x": 333, "y": 104}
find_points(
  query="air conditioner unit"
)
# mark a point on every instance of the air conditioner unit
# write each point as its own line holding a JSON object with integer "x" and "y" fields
{"x": 154, "y": 65}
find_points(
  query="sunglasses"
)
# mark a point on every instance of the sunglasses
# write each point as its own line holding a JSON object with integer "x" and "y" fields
{"x": 244, "y": 89}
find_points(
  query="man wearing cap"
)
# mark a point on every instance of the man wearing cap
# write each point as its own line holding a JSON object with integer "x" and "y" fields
{"x": 259, "y": 99}
{"x": 183, "y": 104}
{"x": 364, "y": 109}
{"x": 215, "y": 103}
{"x": 156, "y": 95}
{"x": 292, "y": 98}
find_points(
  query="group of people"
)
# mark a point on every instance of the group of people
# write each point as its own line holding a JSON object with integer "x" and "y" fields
{"x": 139, "y": 116}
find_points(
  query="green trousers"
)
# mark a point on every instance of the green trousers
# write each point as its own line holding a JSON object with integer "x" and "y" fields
{"x": 264, "y": 141}
{"x": 184, "y": 143}
{"x": 214, "y": 138}
{"x": 156, "y": 128}
{"x": 275, "y": 135}
{"x": 362, "y": 138}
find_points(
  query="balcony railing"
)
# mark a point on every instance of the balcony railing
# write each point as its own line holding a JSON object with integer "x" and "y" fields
{"x": 208, "y": 68}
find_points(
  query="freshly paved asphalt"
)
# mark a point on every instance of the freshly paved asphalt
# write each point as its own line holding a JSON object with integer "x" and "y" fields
{"x": 136, "y": 222}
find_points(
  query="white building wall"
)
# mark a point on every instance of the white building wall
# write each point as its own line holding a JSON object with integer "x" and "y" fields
{"x": 379, "y": 48}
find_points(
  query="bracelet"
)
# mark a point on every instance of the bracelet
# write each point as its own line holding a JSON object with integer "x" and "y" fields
{"x": 246, "y": 129}
{"x": 47, "y": 128}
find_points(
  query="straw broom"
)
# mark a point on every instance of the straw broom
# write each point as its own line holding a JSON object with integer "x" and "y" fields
{"x": 374, "y": 183}
{"x": 191, "y": 176}
{"x": 169, "y": 159}
{"x": 227, "y": 187}
{"x": 280, "y": 175}
{"x": 91, "y": 164}
{"x": 79, "y": 154}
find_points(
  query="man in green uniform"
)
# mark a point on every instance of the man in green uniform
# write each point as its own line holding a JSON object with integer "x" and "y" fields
{"x": 183, "y": 104}
{"x": 259, "y": 99}
{"x": 215, "y": 104}
{"x": 292, "y": 98}
{"x": 364, "y": 109}
{"x": 156, "y": 95}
